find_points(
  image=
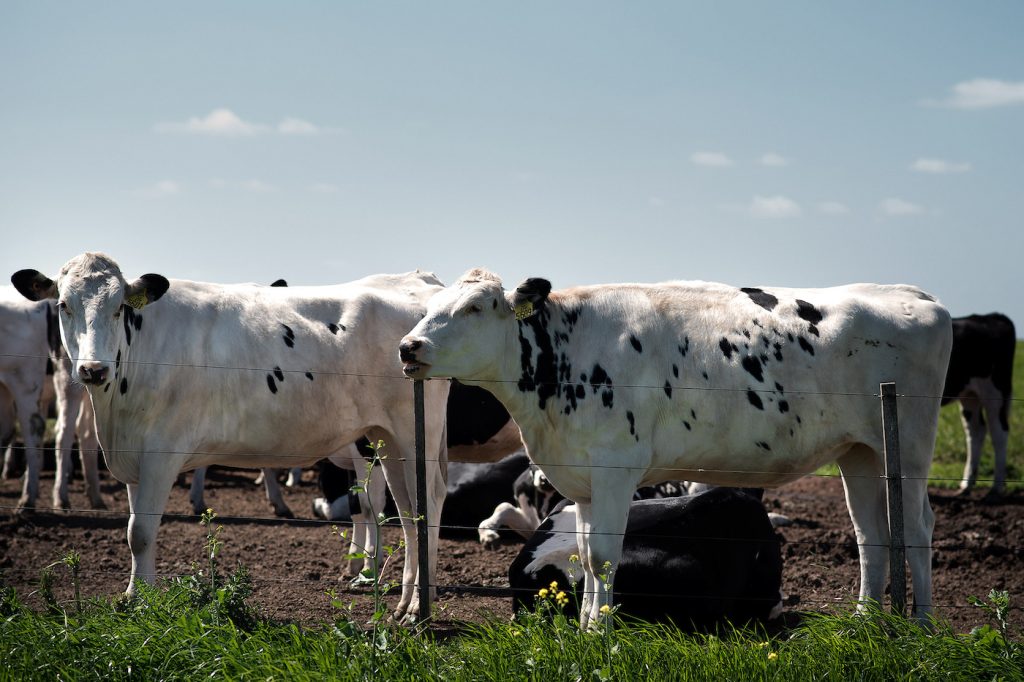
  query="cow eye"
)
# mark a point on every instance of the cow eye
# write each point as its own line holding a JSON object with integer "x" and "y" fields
{"x": 473, "y": 309}
{"x": 117, "y": 314}
{"x": 64, "y": 308}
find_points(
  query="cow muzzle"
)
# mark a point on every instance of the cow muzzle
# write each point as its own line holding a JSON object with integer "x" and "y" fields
{"x": 93, "y": 373}
{"x": 408, "y": 353}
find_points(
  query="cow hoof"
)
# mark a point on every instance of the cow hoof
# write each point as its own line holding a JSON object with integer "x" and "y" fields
{"x": 963, "y": 492}
{"x": 98, "y": 505}
{"x": 284, "y": 513}
{"x": 490, "y": 539}
{"x": 993, "y": 496}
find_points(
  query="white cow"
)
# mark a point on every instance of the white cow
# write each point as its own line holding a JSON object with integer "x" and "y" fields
{"x": 186, "y": 374}
{"x": 23, "y": 360}
{"x": 619, "y": 386}
{"x": 30, "y": 345}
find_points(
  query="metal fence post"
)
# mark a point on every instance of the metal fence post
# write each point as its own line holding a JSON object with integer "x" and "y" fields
{"x": 894, "y": 498}
{"x": 422, "y": 547}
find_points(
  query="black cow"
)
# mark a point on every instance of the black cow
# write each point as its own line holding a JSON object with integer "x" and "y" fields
{"x": 980, "y": 376}
{"x": 696, "y": 560}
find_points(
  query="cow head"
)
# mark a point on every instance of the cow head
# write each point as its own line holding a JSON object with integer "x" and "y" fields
{"x": 91, "y": 293}
{"x": 468, "y": 328}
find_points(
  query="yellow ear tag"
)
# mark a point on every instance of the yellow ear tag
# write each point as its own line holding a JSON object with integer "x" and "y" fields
{"x": 137, "y": 301}
{"x": 524, "y": 310}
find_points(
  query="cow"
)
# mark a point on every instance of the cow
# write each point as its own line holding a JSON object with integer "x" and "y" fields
{"x": 695, "y": 560}
{"x": 980, "y": 376}
{"x": 34, "y": 371}
{"x": 618, "y": 386}
{"x": 185, "y": 374}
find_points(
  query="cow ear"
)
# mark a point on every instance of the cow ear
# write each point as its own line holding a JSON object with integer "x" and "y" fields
{"x": 529, "y": 296}
{"x": 145, "y": 289}
{"x": 34, "y": 285}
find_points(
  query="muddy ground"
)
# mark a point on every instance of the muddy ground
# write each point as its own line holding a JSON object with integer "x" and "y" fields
{"x": 296, "y": 563}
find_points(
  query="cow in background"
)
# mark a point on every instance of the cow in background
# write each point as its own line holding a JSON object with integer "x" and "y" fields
{"x": 980, "y": 376}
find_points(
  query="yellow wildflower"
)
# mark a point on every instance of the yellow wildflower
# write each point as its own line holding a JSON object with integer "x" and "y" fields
{"x": 772, "y": 656}
{"x": 605, "y": 609}
{"x": 543, "y": 594}
{"x": 574, "y": 558}
{"x": 554, "y": 585}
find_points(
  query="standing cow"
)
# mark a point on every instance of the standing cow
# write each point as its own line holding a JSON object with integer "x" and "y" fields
{"x": 619, "y": 386}
{"x": 980, "y": 376}
{"x": 185, "y": 374}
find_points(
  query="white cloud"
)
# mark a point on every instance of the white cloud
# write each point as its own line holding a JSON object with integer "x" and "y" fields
{"x": 774, "y": 207}
{"x": 774, "y": 160}
{"x": 939, "y": 166}
{"x": 833, "y": 208}
{"x": 296, "y": 126}
{"x": 900, "y": 207}
{"x": 982, "y": 93}
{"x": 221, "y": 122}
{"x": 245, "y": 185}
{"x": 712, "y": 159}
{"x": 324, "y": 188}
{"x": 164, "y": 188}
{"x": 226, "y": 123}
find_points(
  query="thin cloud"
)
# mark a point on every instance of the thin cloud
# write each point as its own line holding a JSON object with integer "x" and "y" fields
{"x": 256, "y": 186}
{"x": 982, "y": 93}
{"x": 711, "y": 159}
{"x": 774, "y": 160}
{"x": 159, "y": 190}
{"x": 219, "y": 122}
{"x": 226, "y": 123}
{"x": 774, "y": 207}
{"x": 900, "y": 207}
{"x": 833, "y": 208}
{"x": 939, "y": 166}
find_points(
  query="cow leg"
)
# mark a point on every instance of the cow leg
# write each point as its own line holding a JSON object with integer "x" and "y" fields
{"x": 365, "y": 528}
{"x": 32, "y": 428}
{"x": 602, "y": 527}
{"x": 274, "y": 495}
{"x": 294, "y": 477}
{"x": 195, "y": 491}
{"x": 862, "y": 472}
{"x": 999, "y": 428}
{"x": 507, "y": 515}
{"x": 88, "y": 451}
{"x": 147, "y": 500}
{"x": 69, "y": 402}
{"x": 399, "y": 465}
{"x": 974, "y": 426}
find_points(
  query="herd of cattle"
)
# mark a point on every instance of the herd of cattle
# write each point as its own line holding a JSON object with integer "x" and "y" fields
{"x": 621, "y": 395}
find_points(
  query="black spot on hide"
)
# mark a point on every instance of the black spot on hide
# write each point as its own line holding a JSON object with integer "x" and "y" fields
{"x": 271, "y": 384}
{"x": 668, "y": 389}
{"x": 764, "y": 446}
{"x": 124, "y": 386}
{"x": 783, "y": 406}
{"x": 761, "y": 298}
{"x": 636, "y": 344}
{"x": 726, "y": 347}
{"x": 675, "y": 371}
{"x": 753, "y": 366}
{"x": 333, "y": 327}
{"x": 279, "y": 374}
{"x": 808, "y": 312}
{"x": 309, "y": 375}
{"x": 687, "y": 425}
{"x": 755, "y": 399}
{"x": 806, "y": 346}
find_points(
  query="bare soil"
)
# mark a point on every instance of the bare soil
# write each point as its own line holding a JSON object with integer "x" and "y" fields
{"x": 295, "y": 563}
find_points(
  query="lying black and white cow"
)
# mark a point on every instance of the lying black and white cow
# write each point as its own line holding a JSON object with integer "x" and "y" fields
{"x": 980, "y": 376}
{"x": 696, "y": 560}
{"x": 185, "y": 374}
{"x": 619, "y": 386}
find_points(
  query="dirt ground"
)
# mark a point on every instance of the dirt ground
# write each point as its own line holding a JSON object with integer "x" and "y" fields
{"x": 296, "y": 563}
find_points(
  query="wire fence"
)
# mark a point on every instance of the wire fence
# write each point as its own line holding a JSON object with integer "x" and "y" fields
{"x": 665, "y": 471}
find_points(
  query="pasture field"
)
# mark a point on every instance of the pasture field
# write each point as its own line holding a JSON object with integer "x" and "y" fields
{"x": 179, "y": 632}
{"x": 304, "y": 623}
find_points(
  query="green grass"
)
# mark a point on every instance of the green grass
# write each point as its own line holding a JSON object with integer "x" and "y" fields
{"x": 165, "y": 634}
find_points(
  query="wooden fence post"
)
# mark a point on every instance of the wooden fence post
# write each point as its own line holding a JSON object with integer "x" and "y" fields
{"x": 894, "y": 498}
{"x": 422, "y": 534}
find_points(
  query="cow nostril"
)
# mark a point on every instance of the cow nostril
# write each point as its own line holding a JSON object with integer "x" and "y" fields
{"x": 407, "y": 350}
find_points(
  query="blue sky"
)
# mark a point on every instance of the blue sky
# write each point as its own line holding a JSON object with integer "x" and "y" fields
{"x": 787, "y": 143}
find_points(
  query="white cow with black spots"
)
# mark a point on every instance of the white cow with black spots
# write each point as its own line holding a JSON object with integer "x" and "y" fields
{"x": 186, "y": 374}
{"x": 619, "y": 386}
